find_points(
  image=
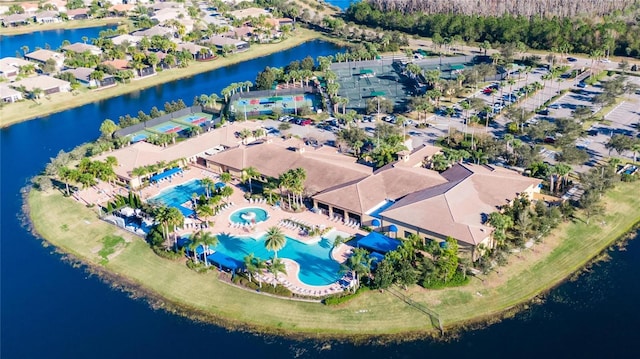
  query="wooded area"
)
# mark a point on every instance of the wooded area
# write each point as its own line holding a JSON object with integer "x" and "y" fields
{"x": 545, "y": 8}
{"x": 616, "y": 33}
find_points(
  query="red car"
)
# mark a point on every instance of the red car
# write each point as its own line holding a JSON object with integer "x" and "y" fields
{"x": 487, "y": 91}
{"x": 306, "y": 122}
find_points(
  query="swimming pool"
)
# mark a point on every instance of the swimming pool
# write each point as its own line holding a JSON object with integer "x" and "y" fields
{"x": 249, "y": 215}
{"x": 316, "y": 265}
{"x": 180, "y": 196}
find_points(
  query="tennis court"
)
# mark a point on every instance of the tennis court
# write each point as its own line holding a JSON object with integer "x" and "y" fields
{"x": 170, "y": 127}
{"x": 448, "y": 71}
{"x": 362, "y": 80}
{"x": 264, "y": 105}
{"x": 140, "y": 136}
{"x": 195, "y": 119}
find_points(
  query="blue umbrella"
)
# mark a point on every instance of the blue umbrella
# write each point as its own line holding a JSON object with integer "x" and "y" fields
{"x": 393, "y": 228}
{"x": 375, "y": 223}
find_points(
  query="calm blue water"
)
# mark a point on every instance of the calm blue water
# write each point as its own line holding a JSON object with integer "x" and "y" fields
{"x": 343, "y": 4}
{"x": 54, "y": 38}
{"x": 179, "y": 196}
{"x": 53, "y": 310}
{"x": 316, "y": 265}
{"x": 259, "y": 215}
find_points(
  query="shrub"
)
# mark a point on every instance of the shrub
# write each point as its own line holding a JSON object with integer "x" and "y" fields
{"x": 457, "y": 280}
{"x": 343, "y": 297}
{"x": 167, "y": 254}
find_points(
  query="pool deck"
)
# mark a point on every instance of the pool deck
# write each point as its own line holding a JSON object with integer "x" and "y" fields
{"x": 103, "y": 192}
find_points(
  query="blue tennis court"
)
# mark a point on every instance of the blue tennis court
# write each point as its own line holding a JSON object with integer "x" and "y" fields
{"x": 265, "y": 105}
{"x": 170, "y": 127}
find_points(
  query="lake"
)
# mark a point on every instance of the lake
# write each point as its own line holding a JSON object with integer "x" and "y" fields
{"x": 54, "y": 38}
{"x": 52, "y": 310}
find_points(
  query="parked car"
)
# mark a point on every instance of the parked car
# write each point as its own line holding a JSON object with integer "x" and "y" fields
{"x": 572, "y": 59}
{"x": 305, "y": 122}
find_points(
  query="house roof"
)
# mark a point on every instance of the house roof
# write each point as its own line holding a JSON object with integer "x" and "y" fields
{"x": 46, "y": 14}
{"x": 155, "y": 30}
{"x": 44, "y": 55}
{"x": 191, "y": 47}
{"x": 221, "y": 41}
{"x": 6, "y": 92}
{"x": 27, "y": 6}
{"x": 80, "y": 47}
{"x": 249, "y": 12}
{"x": 390, "y": 184}
{"x": 13, "y": 18}
{"x": 75, "y": 12}
{"x": 122, "y": 7}
{"x": 460, "y": 206}
{"x": 13, "y": 61}
{"x": 324, "y": 166}
{"x": 43, "y": 82}
{"x": 118, "y": 64}
{"x": 133, "y": 40}
{"x": 144, "y": 154}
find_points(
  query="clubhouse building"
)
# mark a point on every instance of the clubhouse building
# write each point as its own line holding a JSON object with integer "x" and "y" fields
{"x": 403, "y": 197}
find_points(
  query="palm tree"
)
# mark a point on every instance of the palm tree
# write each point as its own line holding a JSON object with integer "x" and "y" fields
{"x": 275, "y": 240}
{"x": 250, "y": 265}
{"x": 562, "y": 170}
{"x": 208, "y": 184}
{"x": 276, "y": 267}
{"x": 248, "y": 174}
{"x": 194, "y": 243}
{"x": 67, "y": 175}
{"x": 225, "y": 177}
{"x": 207, "y": 239}
{"x": 359, "y": 263}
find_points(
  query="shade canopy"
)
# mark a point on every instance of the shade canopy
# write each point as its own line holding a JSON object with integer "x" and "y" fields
{"x": 378, "y": 242}
{"x": 377, "y": 93}
{"x": 375, "y": 222}
{"x": 393, "y": 228}
{"x": 224, "y": 261}
{"x": 165, "y": 174}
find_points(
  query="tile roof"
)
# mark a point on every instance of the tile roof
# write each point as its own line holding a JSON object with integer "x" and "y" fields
{"x": 459, "y": 207}
{"x": 324, "y": 166}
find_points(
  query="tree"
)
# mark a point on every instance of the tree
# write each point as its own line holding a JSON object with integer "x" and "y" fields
{"x": 265, "y": 79}
{"x": 225, "y": 177}
{"x": 67, "y": 175}
{"x": 193, "y": 245}
{"x": 207, "y": 239}
{"x": 107, "y": 128}
{"x": 208, "y": 185}
{"x": 590, "y": 205}
{"x": 276, "y": 267}
{"x": 359, "y": 263}
{"x": 275, "y": 240}
{"x": 248, "y": 174}
{"x": 501, "y": 222}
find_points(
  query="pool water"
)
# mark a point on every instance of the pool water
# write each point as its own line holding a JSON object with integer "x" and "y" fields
{"x": 316, "y": 265}
{"x": 177, "y": 196}
{"x": 249, "y": 215}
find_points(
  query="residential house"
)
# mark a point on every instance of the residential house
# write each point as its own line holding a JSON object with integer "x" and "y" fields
{"x": 10, "y": 67}
{"x": 83, "y": 75}
{"x": 276, "y": 24}
{"x": 121, "y": 9}
{"x": 78, "y": 14}
{"x": 9, "y": 95}
{"x": 16, "y": 20}
{"x": 29, "y": 8}
{"x": 47, "y": 84}
{"x": 252, "y": 12}
{"x": 130, "y": 39}
{"x": 153, "y": 31}
{"x": 199, "y": 53}
{"x": 42, "y": 56}
{"x": 220, "y": 42}
{"x": 47, "y": 17}
{"x": 60, "y": 5}
{"x": 80, "y": 48}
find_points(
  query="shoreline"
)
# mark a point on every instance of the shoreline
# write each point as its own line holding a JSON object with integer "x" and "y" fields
{"x": 28, "y": 110}
{"x": 359, "y": 332}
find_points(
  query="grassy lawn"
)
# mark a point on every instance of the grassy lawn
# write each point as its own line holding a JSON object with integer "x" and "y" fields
{"x": 25, "y": 110}
{"x": 75, "y": 229}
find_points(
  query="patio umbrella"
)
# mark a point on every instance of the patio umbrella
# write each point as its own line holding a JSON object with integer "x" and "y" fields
{"x": 393, "y": 228}
{"x": 375, "y": 223}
